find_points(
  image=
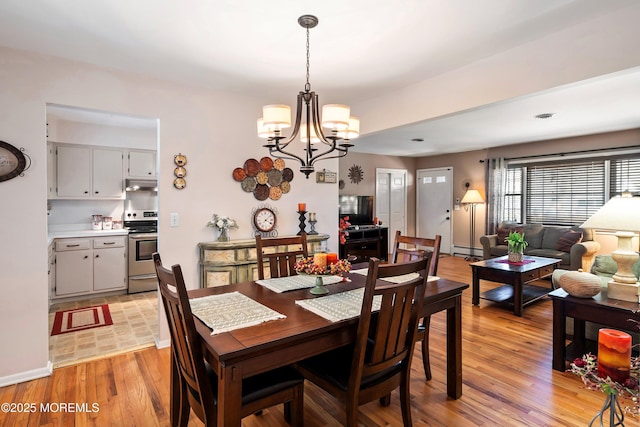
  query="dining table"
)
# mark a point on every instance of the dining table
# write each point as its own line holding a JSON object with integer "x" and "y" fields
{"x": 299, "y": 333}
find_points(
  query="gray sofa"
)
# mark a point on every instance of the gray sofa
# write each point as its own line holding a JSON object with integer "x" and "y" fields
{"x": 574, "y": 246}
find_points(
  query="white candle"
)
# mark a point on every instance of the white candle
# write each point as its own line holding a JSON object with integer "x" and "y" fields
{"x": 312, "y": 216}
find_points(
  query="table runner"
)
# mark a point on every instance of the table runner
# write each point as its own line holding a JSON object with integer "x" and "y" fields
{"x": 226, "y": 312}
{"x": 284, "y": 284}
{"x": 337, "y": 307}
{"x": 397, "y": 279}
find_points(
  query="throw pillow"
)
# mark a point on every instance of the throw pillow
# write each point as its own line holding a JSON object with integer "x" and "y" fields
{"x": 568, "y": 239}
{"x": 503, "y": 233}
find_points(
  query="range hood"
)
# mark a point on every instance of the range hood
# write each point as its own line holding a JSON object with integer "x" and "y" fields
{"x": 142, "y": 185}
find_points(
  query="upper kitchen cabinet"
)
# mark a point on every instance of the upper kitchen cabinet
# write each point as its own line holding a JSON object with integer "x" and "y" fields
{"x": 142, "y": 164}
{"x": 87, "y": 172}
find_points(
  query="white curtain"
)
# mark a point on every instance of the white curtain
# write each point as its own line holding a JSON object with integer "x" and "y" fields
{"x": 496, "y": 186}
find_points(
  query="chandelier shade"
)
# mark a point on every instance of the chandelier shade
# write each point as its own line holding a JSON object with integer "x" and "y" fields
{"x": 318, "y": 144}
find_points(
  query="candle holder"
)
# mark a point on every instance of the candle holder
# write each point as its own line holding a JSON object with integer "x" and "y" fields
{"x": 312, "y": 224}
{"x": 302, "y": 226}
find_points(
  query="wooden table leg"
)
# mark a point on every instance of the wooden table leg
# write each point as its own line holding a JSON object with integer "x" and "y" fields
{"x": 475, "y": 286}
{"x": 559, "y": 336}
{"x": 517, "y": 295}
{"x": 454, "y": 349}
{"x": 229, "y": 396}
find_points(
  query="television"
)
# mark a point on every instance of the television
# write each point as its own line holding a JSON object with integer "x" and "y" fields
{"x": 359, "y": 209}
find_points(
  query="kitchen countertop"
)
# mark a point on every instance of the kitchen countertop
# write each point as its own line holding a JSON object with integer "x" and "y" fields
{"x": 84, "y": 233}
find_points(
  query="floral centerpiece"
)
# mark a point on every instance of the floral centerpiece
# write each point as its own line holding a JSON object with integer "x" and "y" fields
{"x": 627, "y": 391}
{"x": 224, "y": 224}
{"x": 319, "y": 265}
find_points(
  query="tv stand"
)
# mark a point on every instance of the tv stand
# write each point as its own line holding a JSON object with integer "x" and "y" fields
{"x": 364, "y": 242}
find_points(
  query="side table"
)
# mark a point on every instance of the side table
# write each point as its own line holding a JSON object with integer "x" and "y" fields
{"x": 599, "y": 309}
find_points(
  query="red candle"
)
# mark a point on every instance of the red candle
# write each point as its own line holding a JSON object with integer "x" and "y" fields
{"x": 332, "y": 258}
{"x": 302, "y": 207}
{"x": 614, "y": 355}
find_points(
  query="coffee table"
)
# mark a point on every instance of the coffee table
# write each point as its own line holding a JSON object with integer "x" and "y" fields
{"x": 515, "y": 277}
{"x": 600, "y": 309}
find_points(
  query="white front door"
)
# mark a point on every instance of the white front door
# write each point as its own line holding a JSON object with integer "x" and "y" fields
{"x": 391, "y": 201}
{"x": 434, "y": 188}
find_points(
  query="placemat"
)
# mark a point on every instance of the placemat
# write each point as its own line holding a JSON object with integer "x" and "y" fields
{"x": 397, "y": 279}
{"x": 226, "y": 312}
{"x": 337, "y": 307}
{"x": 523, "y": 262}
{"x": 300, "y": 281}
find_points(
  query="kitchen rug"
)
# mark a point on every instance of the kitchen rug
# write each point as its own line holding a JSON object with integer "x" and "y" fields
{"x": 80, "y": 319}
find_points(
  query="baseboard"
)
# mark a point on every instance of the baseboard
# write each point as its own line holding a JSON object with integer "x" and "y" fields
{"x": 27, "y": 375}
{"x": 162, "y": 343}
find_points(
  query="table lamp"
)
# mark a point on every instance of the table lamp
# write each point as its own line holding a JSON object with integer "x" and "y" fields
{"x": 473, "y": 198}
{"x": 622, "y": 215}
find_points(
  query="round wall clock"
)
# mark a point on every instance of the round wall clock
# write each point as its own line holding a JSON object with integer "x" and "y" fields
{"x": 264, "y": 220}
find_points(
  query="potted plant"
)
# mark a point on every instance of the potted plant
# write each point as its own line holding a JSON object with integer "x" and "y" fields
{"x": 516, "y": 244}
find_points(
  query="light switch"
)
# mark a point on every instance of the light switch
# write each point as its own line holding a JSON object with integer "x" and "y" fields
{"x": 174, "y": 219}
{"x": 456, "y": 207}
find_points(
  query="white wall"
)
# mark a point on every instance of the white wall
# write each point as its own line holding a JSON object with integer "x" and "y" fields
{"x": 216, "y": 131}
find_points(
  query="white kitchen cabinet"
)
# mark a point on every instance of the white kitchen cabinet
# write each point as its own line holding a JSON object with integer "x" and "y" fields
{"x": 108, "y": 173}
{"x": 86, "y": 266}
{"x": 74, "y": 267}
{"x": 89, "y": 172}
{"x": 109, "y": 264}
{"x": 142, "y": 164}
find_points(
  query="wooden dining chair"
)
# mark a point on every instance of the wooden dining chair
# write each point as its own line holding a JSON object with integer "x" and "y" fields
{"x": 414, "y": 248}
{"x": 280, "y": 263}
{"x": 197, "y": 380}
{"x": 380, "y": 359}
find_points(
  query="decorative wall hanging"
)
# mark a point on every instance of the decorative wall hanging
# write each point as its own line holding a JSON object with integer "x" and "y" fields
{"x": 264, "y": 219}
{"x": 356, "y": 174}
{"x": 266, "y": 179}
{"x": 326, "y": 177}
{"x": 180, "y": 172}
{"x": 13, "y": 161}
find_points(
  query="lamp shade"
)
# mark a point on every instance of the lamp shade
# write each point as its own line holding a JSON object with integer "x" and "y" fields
{"x": 352, "y": 131}
{"x": 336, "y": 116}
{"x": 620, "y": 213}
{"x": 276, "y": 117}
{"x": 312, "y": 133}
{"x": 472, "y": 196}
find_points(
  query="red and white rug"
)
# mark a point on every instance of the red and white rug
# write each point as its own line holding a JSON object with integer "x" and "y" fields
{"x": 80, "y": 319}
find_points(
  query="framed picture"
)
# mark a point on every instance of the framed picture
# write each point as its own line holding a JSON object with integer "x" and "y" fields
{"x": 12, "y": 161}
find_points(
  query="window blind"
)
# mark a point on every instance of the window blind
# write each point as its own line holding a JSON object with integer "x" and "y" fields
{"x": 625, "y": 176}
{"x": 564, "y": 194}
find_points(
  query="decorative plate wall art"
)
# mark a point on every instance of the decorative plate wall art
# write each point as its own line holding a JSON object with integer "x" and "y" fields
{"x": 13, "y": 161}
{"x": 356, "y": 174}
{"x": 267, "y": 178}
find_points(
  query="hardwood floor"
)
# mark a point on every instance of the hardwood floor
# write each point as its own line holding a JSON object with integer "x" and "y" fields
{"x": 508, "y": 381}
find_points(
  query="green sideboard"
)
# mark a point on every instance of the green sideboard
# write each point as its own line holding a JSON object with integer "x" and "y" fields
{"x": 236, "y": 261}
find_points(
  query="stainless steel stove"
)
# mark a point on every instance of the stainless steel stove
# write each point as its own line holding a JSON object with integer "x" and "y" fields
{"x": 143, "y": 242}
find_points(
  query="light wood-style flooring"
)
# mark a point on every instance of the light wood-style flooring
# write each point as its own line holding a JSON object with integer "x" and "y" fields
{"x": 507, "y": 376}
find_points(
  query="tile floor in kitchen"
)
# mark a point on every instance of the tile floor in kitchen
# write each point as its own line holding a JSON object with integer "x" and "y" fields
{"x": 135, "y": 325}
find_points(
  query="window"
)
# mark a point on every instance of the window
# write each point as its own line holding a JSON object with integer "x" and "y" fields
{"x": 566, "y": 191}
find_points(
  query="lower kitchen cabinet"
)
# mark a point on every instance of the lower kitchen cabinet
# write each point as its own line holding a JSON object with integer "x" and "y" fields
{"x": 90, "y": 265}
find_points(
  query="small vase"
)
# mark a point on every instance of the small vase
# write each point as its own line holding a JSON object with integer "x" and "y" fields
{"x": 515, "y": 256}
{"x": 224, "y": 235}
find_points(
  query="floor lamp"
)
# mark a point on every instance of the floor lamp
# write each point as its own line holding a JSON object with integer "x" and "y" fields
{"x": 473, "y": 198}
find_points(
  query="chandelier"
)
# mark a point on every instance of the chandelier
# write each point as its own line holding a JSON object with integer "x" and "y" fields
{"x": 335, "y": 118}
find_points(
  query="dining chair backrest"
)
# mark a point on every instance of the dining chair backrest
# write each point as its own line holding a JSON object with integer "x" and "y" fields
{"x": 185, "y": 341}
{"x": 416, "y": 248}
{"x": 387, "y": 341}
{"x": 281, "y": 253}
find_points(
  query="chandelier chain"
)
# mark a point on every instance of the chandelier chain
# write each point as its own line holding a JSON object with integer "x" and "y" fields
{"x": 307, "y": 86}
